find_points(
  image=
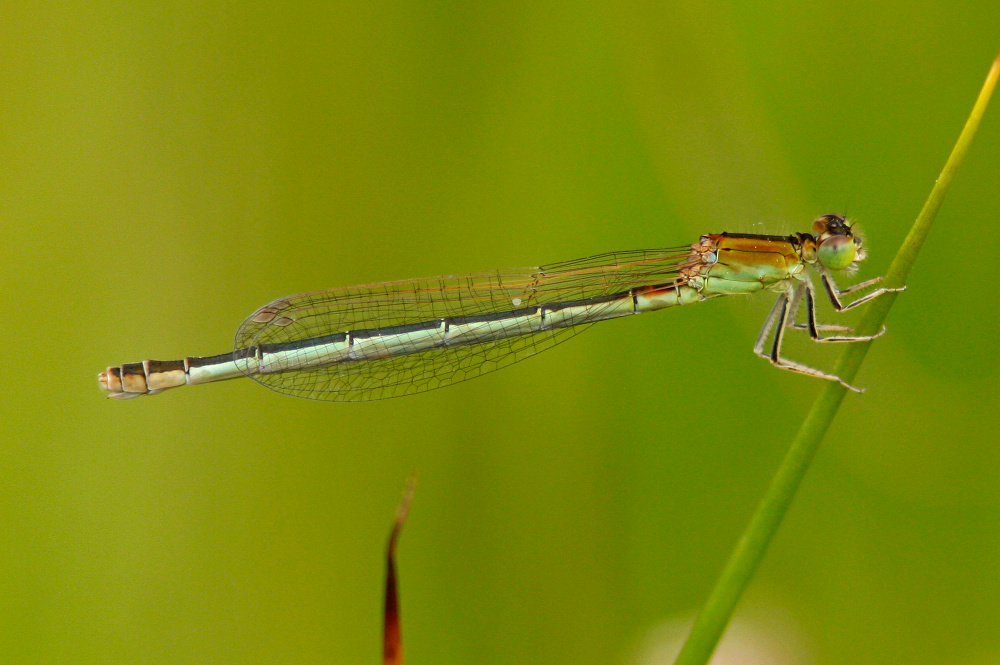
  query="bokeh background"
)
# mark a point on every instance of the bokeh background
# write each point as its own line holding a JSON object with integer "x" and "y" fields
{"x": 169, "y": 167}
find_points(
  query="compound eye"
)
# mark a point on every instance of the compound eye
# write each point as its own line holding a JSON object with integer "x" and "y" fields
{"x": 837, "y": 252}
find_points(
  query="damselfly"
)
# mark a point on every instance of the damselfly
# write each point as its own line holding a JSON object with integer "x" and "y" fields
{"x": 398, "y": 338}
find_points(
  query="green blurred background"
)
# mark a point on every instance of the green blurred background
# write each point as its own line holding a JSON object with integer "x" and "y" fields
{"x": 167, "y": 168}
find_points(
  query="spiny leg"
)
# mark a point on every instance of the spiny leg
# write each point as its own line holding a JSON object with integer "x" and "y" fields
{"x": 779, "y": 317}
{"x": 814, "y": 328}
{"x": 834, "y": 291}
{"x": 793, "y": 312}
{"x": 826, "y": 327}
{"x": 775, "y": 312}
{"x": 810, "y": 326}
{"x": 792, "y": 323}
{"x": 860, "y": 285}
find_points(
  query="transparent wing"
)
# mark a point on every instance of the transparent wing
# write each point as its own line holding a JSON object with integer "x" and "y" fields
{"x": 323, "y": 313}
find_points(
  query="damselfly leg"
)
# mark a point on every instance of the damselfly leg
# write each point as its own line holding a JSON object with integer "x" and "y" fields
{"x": 783, "y": 316}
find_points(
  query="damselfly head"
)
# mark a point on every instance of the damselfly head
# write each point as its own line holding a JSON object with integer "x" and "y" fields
{"x": 837, "y": 246}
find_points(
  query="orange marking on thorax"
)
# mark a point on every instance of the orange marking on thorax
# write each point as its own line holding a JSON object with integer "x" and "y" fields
{"x": 754, "y": 258}
{"x": 778, "y": 253}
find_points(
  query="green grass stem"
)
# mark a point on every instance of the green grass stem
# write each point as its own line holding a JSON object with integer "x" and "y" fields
{"x": 752, "y": 546}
